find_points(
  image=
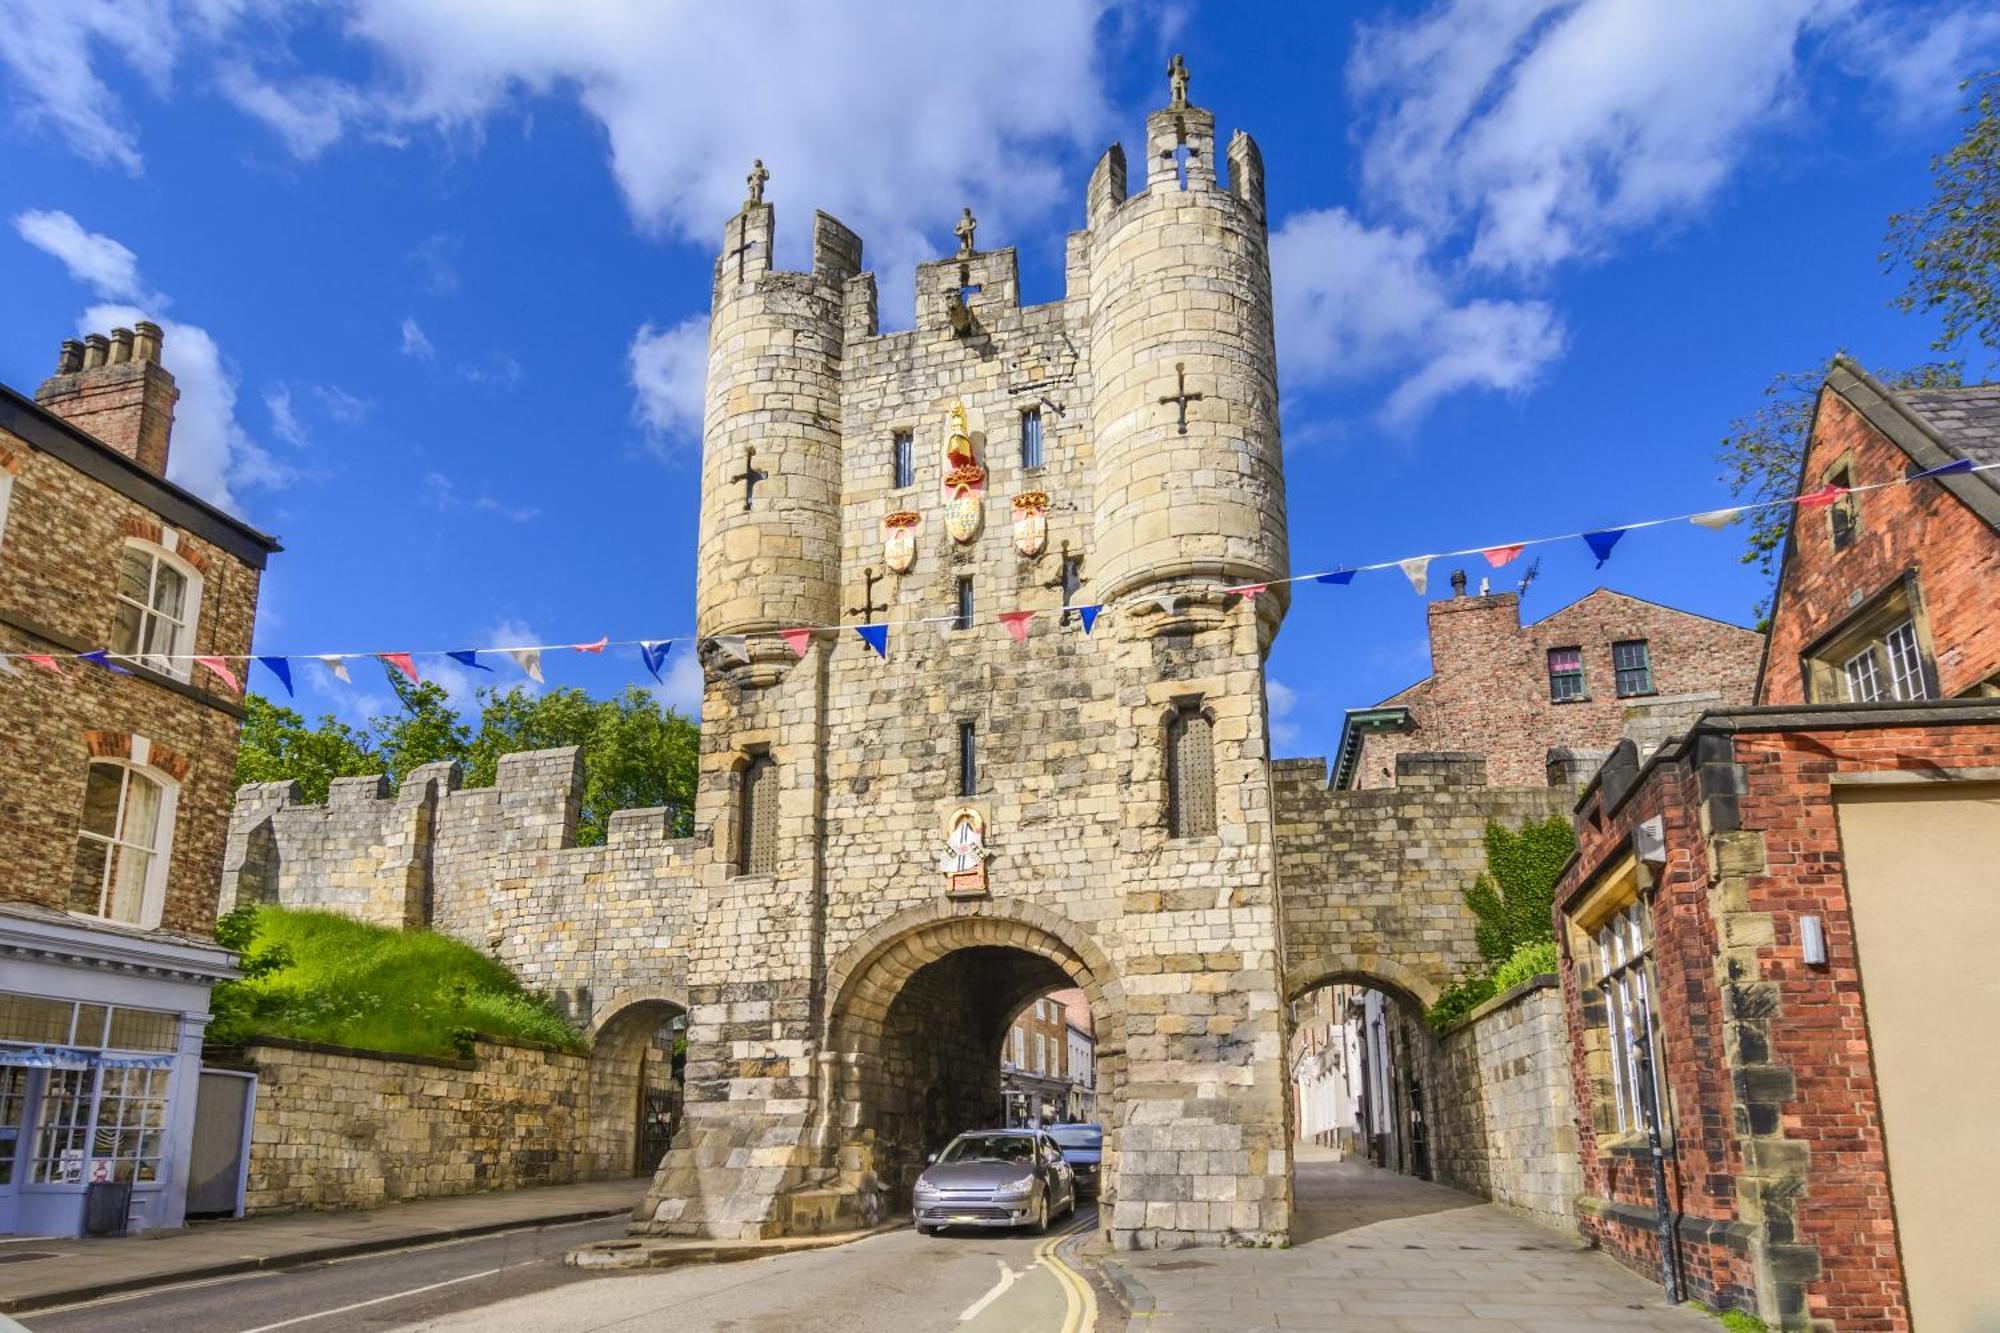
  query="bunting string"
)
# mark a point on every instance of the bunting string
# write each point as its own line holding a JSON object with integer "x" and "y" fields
{"x": 875, "y": 634}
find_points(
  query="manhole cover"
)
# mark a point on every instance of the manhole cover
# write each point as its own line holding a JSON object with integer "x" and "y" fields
{"x": 22, "y": 1256}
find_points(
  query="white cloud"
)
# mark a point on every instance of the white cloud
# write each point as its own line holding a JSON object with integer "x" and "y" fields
{"x": 682, "y": 688}
{"x": 1548, "y": 127}
{"x": 1281, "y": 700}
{"x": 444, "y": 496}
{"x": 50, "y": 51}
{"x": 1355, "y": 300}
{"x": 284, "y": 420}
{"x": 97, "y": 261}
{"x": 462, "y": 683}
{"x": 1920, "y": 55}
{"x": 346, "y": 408}
{"x": 212, "y": 454}
{"x": 309, "y": 113}
{"x": 416, "y": 343}
{"x": 669, "y": 369}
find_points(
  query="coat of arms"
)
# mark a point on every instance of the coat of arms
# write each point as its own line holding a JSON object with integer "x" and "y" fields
{"x": 899, "y": 540}
{"x": 964, "y": 480}
{"x": 1031, "y": 523}
{"x": 965, "y": 854}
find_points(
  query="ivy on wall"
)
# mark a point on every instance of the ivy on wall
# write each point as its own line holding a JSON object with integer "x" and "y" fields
{"x": 1514, "y": 901}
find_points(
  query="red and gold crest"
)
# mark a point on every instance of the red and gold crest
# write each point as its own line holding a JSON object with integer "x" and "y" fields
{"x": 1031, "y": 523}
{"x": 899, "y": 540}
{"x": 964, "y": 480}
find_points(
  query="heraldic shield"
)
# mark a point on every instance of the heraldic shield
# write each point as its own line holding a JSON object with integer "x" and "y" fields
{"x": 899, "y": 540}
{"x": 964, "y": 481}
{"x": 1031, "y": 523}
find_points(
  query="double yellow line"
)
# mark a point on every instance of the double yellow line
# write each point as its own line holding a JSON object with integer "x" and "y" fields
{"x": 1080, "y": 1301}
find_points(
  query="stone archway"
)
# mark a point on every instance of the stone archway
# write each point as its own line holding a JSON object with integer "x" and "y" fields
{"x": 633, "y": 1084}
{"x": 918, "y": 1010}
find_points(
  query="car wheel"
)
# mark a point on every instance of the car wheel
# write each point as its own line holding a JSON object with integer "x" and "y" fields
{"x": 1069, "y": 1209}
{"x": 923, "y": 1230}
{"x": 1042, "y": 1213}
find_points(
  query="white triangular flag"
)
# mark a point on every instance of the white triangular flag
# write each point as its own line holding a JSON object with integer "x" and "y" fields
{"x": 1417, "y": 569}
{"x": 7, "y": 667}
{"x": 945, "y": 625}
{"x": 736, "y": 645}
{"x": 338, "y": 666}
{"x": 1717, "y": 518}
{"x": 529, "y": 660}
{"x": 1167, "y": 605}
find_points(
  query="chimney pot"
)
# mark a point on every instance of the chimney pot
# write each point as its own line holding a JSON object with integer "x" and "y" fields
{"x": 95, "y": 347}
{"x": 146, "y": 341}
{"x": 1458, "y": 583}
{"x": 70, "y": 359}
{"x": 121, "y": 347}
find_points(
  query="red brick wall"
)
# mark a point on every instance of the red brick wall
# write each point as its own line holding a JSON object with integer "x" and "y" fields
{"x": 1489, "y": 687}
{"x": 1922, "y": 527}
{"x": 1729, "y": 1099}
{"x": 58, "y": 569}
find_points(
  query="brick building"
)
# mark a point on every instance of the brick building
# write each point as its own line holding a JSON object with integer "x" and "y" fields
{"x": 1544, "y": 702}
{"x": 1771, "y": 927}
{"x": 1042, "y": 1079}
{"x": 116, "y": 782}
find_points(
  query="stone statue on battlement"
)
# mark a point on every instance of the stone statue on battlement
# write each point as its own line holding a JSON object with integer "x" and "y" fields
{"x": 1177, "y": 82}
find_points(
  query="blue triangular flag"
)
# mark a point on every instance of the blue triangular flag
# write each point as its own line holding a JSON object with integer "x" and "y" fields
{"x": 876, "y": 637}
{"x": 1088, "y": 615}
{"x": 1337, "y": 576}
{"x": 280, "y": 668}
{"x": 1957, "y": 465}
{"x": 470, "y": 657}
{"x": 1600, "y": 543}
{"x": 102, "y": 657}
{"x": 655, "y": 651}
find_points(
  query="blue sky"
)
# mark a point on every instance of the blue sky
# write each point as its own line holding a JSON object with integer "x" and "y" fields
{"x": 435, "y": 272}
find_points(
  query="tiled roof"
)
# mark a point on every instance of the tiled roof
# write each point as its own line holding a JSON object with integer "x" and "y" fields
{"x": 1966, "y": 420}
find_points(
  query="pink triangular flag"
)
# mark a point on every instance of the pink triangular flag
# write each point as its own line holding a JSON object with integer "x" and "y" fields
{"x": 44, "y": 661}
{"x": 1822, "y": 497}
{"x": 1017, "y": 624}
{"x": 1248, "y": 592}
{"x": 221, "y": 668}
{"x": 597, "y": 647}
{"x": 402, "y": 663}
{"x": 799, "y": 639}
{"x": 1497, "y": 556}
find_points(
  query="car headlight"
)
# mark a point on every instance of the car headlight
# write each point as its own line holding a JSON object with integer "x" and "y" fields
{"x": 925, "y": 1187}
{"x": 1015, "y": 1189}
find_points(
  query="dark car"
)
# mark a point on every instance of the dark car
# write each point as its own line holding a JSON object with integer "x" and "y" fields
{"x": 995, "y": 1178}
{"x": 1083, "y": 1148}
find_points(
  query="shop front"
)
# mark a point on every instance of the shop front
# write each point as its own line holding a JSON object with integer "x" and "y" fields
{"x": 100, "y": 1056}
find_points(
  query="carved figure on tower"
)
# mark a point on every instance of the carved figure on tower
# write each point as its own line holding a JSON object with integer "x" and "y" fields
{"x": 1177, "y": 82}
{"x": 964, "y": 480}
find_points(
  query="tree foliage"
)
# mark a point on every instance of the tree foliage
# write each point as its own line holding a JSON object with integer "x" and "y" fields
{"x": 1763, "y": 453}
{"x": 1951, "y": 246}
{"x": 1515, "y": 898}
{"x": 636, "y": 752}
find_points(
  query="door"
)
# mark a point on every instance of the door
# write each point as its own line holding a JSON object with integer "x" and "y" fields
{"x": 1921, "y": 884}
{"x": 221, "y": 1147}
{"x": 13, "y": 1137}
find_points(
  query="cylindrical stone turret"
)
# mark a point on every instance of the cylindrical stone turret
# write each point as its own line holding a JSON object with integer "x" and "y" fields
{"x": 770, "y": 476}
{"x": 1190, "y": 480}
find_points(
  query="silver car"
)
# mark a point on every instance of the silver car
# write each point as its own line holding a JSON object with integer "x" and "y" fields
{"x": 995, "y": 1178}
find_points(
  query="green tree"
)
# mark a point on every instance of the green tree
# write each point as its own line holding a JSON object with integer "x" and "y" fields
{"x": 1762, "y": 454}
{"x": 1515, "y": 898}
{"x": 277, "y": 745}
{"x": 426, "y": 731}
{"x": 1951, "y": 246}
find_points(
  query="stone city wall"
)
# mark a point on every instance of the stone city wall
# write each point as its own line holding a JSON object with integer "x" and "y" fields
{"x": 340, "y": 1128}
{"x": 496, "y": 867}
{"x": 1503, "y": 1112}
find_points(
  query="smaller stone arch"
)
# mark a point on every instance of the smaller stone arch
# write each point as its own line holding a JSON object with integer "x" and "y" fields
{"x": 1388, "y": 975}
{"x": 631, "y": 1080}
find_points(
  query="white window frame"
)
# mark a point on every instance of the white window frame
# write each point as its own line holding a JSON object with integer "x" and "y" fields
{"x": 1906, "y": 662}
{"x": 6, "y": 501}
{"x": 154, "y": 895}
{"x": 1861, "y": 677}
{"x": 175, "y": 663}
{"x": 1623, "y": 950}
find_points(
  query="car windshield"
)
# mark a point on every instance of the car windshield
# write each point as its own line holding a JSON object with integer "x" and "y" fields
{"x": 990, "y": 1148}
{"x": 1077, "y": 1136}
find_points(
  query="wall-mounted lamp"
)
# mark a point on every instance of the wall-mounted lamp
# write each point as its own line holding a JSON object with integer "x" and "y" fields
{"x": 1812, "y": 941}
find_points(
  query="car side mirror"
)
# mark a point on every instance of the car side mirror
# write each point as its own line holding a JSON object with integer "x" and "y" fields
{"x": 931, "y": 1159}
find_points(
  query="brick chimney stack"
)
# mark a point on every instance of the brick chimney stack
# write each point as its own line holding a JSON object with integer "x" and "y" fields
{"x": 116, "y": 389}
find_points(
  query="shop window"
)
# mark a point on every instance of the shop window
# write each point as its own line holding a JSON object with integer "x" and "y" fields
{"x": 121, "y": 849}
{"x": 1190, "y": 773}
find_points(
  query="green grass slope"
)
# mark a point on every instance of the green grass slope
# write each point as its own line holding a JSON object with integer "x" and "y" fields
{"x": 316, "y": 976}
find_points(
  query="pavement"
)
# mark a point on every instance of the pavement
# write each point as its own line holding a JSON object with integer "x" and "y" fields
{"x": 68, "y": 1272}
{"x": 1376, "y": 1252}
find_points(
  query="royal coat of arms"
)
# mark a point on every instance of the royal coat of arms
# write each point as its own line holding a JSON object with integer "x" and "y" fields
{"x": 899, "y": 540}
{"x": 1031, "y": 523}
{"x": 965, "y": 854}
{"x": 964, "y": 481}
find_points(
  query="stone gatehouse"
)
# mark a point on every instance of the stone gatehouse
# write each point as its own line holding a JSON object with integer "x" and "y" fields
{"x": 900, "y": 842}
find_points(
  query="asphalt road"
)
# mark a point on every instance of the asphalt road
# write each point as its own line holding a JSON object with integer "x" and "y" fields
{"x": 971, "y": 1282}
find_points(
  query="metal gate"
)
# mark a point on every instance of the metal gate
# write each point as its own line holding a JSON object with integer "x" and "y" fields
{"x": 219, "y": 1163}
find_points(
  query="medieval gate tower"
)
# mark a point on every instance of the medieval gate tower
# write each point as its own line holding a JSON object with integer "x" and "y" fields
{"x": 1105, "y": 790}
